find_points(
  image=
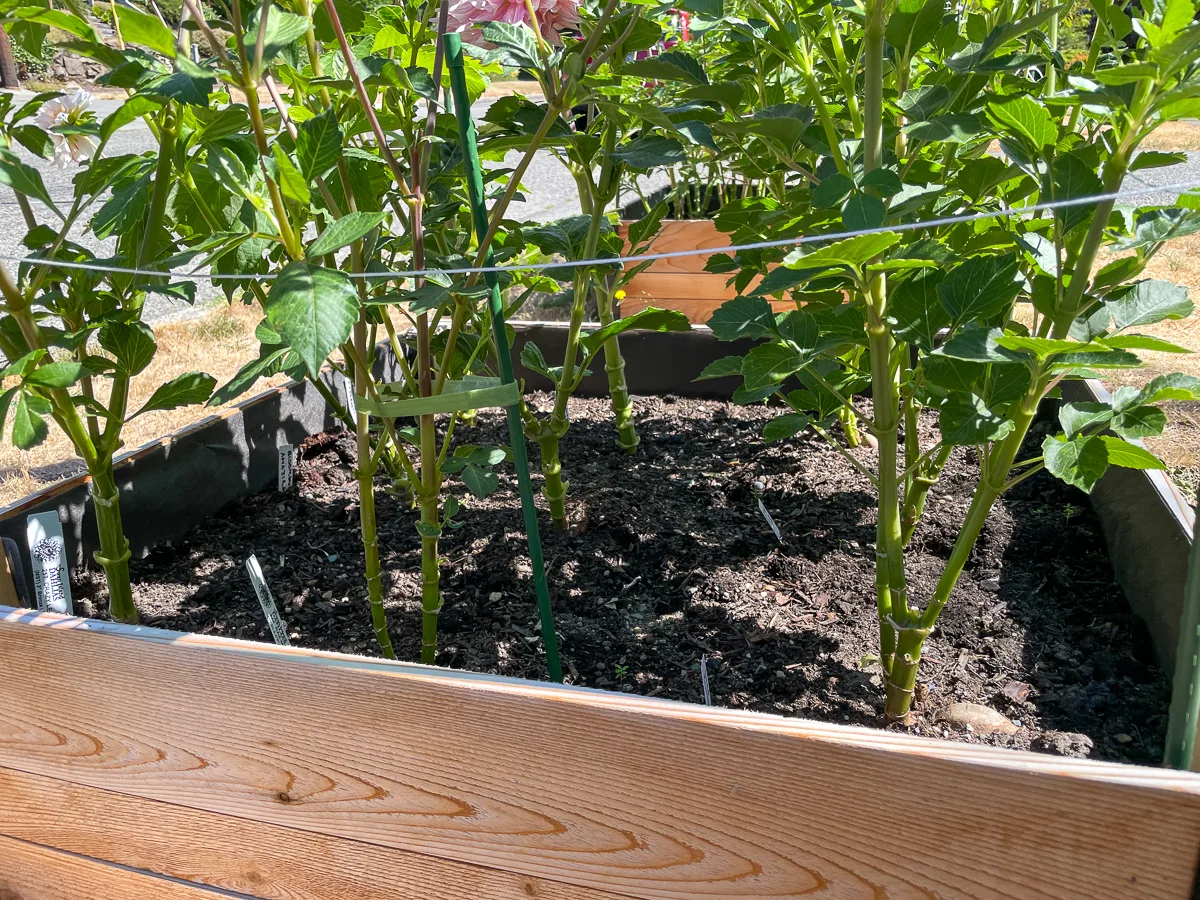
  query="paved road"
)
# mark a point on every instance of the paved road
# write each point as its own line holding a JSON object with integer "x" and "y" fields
{"x": 550, "y": 194}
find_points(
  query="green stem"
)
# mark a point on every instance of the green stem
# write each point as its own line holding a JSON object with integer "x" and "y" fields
{"x": 114, "y": 552}
{"x": 923, "y": 479}
{"x": 614, "y": 366}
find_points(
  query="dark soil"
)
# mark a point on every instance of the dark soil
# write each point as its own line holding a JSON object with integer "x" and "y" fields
{"x": 677, "y": 562}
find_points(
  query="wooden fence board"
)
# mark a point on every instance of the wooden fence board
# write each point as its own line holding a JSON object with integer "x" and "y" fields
{"x": 242, "y": 855}
{"x": 28, "y": 872}
{"x": 635, "y": 796}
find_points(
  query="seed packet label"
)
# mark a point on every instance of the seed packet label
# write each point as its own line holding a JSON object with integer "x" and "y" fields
{"x": 351, "y": 405}
{"x": 266, "y": 601}
{"x": 770, "y": 521}
{"x": 287, "y": 464}
{"x": 48, "y": 553}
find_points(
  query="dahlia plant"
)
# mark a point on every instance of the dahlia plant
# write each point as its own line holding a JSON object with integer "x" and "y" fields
{"x": 980, "y": 321}
{"x": 74, "y": 337}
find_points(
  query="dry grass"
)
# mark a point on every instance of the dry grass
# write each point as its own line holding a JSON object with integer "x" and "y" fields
{"x": 1174, "y": 136}
{"x": 219, "y": 343}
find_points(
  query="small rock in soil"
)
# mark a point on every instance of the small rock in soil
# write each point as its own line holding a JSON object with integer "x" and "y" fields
{"x": 1064, "y": 743}
{"x": 1016, "y": 691}
{"x": 1123, "y": 738}
{"x": 975, "y": 717}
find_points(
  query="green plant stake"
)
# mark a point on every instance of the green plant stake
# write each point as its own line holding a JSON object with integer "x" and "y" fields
{"x": 1185, "y": 691}
{"x": 466, "y": 131}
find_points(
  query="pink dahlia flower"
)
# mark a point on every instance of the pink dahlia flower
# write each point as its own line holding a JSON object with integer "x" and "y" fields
{"x": 73, "y": 108}
{"x": 554, "y": 16}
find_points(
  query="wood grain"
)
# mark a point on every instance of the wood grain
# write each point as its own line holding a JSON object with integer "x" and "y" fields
{"x": 241, "y": 855}
{"x": 28, "y": 872}
{"x": 698, "y": 309}
{"x": 640, "y": 797}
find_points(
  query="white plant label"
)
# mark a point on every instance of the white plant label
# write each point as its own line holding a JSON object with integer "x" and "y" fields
{"x": 351, "y": 404}
{"x": 266, "y": 601}
{"x": 770, "y": 521}
{"x": 48, "y": 553}
{"x": 286, "y": 466}
{"x": 704, "y": 680}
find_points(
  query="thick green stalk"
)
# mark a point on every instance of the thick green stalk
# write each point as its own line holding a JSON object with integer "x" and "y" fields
{"x": 614, "y": 366}
{"x": 365, "y": 473}
{"x": 849, "y": 423}
{"x": 114, "y": 552}
{"x": 925, "y": 477}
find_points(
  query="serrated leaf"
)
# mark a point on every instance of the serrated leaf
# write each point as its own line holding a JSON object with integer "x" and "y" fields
{"x": 1079, "y": 462}
{"x": 799, "y": 327}
{"x": 1156, "y": 159}
{"x": 1175, "y": 386}
{"x": 516, "y": 45}
{"x": 344, "y": 231}
{"x": 1026, "y": 119}
{"x": 182, "y": 390}
{"x": 318, "y": 145}
{"x": 650, "y": 319}
{"x": 769, "y": 364}
{"x": 131, "y": 344}
{"x": 291, "y": 182}
{"x": 1129, "y": 456}
{"x": 1072, "y": 178}
{"x": 721, "y": 368}
{"x": 785, "y": 426}
{"x": 284, "y": 29}
{"x": 247, "y": 375}
{"x": 981, "y": 288}
{"x": 742, "y": 317}
{"x": 313, "y": 309}
{"x": 863, "y": 211}
{"x": 479, "y": 482}
{"x": 851, "y": 253}
{"x": 649, "y": 152}
{"x": 57, "y": 374}
{"x": 1140, "y": 422}
{"x": 669, "y": 66}
{"x": 964, "y": 419}
{"x": 29, "y": 424}
{"x": 189, "y": 84}
{"x": 145, "y": 30}
{"x": 1075, "y": 417}
{"x": 25, "y": 179}
{"x": 955, "y": 128}
{"x": 916, "y": 312}
{"x": 132, "y": 109}
{"x": 831, "y": 191}
{"x": 1148, "y": 302}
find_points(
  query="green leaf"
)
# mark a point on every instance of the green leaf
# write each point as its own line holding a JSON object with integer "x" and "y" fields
{"x": 190, "y": 84}
{"x": 319, "y": 145}
{"x": 346, "y": 230}
{"x": 831, "y": 191}
{"x": 29, "y": 424}
{"x": 853, "y": 252}
{"x": 916, "y": 312}
{"x": 479, "y": 482}
{"x": 955, "y": 128}
{"x": 981, "y": 288}
{"x": 313, "y": 309}
{"x": 132, "y": 109}
{"x": 1154, "y": 159}
{"x": 227, "y": 170}
{"x": 516, "y": 46}
{"x": 668, "y": 66}
{"x": 1143, "y": 342}
{"x": 697, "y": 132}
{"x": 291, "y": 182}
{"x": 266, "y": 365}
{"x": 64, "y": 21}
{"x": 742, "y": 317}
{"x": 798, "y": 327}
{"x": 1044, "y": 348}
{"x": 1148, "y": 302}
{"x": 720, "y": 368}
{"x": 649, "y": 319}
{"x": 144, "y": 29}
{"x": 964, "y": 419}
{"x": 863, "y": 211}
{"x": 1025, "y": 118}
{"x": 769, "y": 364}
{"x": 532, "y": 359}
{"x": 24, "y": 179}
{"x": 1129, "y": 456}
{"x": 785, "y": 426}
{"x": 1140, "y": 422}
{"x": 1075, "y": 417}
{"x": 1175, "y": 386}
{"x": 284, "y": 29}
{"x": 1080, "y": 461}
{"x": 182, "y": 390}
{"x": 57, "y": 374}
{"x": 228, "y": 121}
{"x": 131, "y": 345}
{"x": 976, "y": 344}
{"x": 1073, "y": 178}
{"x": 914, "y": 24}
{"x": 649, "y": 152}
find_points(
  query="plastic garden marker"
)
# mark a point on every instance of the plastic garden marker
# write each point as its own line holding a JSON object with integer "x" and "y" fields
{"x": 48, "y": 555}
{"x": 266, "y": 601}
{"x": 466, "y": 131}
{"x": 286, "y": 467}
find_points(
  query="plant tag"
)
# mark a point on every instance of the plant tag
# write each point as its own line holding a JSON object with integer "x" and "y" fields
{"x": 351, "y": 403}
{"x": 704, "y": 680}
{"x": 286, "y": 467}
{"x": 266, "y": 601}
{"x": 766, "y": 515}
{"x": 48, "y": 553}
